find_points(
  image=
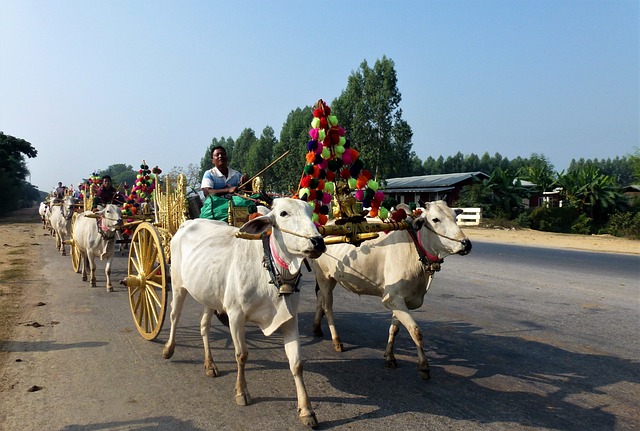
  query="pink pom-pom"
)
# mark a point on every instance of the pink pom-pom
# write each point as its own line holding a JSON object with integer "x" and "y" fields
{"x": 346, "y": 156}
{"x": 379, "y": 196}
{"x": 326, "y": 198}
{"x": 313, "y": 133}
{"x": 359, "y": 194}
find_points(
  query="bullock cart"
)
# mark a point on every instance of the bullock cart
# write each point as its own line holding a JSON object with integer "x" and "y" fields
{"x": 147, "y": 277}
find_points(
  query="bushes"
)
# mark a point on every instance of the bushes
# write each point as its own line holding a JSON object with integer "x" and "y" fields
{"x": 560, "y": 220}
{"x": 623, "y": 224}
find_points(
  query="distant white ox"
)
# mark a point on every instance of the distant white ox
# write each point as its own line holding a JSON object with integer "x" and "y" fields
{"x": 96, "y": 237}
{"x": 60, "y": 220}
{"x": 45, "y": 211}
{"x": 226, "y": 274}
{"x": 389, "y": 267}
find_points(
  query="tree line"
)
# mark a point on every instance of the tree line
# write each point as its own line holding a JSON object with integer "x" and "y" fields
{"x": 370, "y": 111}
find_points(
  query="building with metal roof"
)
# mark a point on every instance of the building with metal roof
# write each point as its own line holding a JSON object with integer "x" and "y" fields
{"x": 428, "y": 188}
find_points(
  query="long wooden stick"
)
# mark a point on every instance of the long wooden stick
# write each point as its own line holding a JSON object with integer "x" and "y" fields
{"x": 270, "y": 164}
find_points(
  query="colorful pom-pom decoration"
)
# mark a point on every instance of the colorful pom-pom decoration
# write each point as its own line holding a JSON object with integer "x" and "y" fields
{"x": 330, "y": 158}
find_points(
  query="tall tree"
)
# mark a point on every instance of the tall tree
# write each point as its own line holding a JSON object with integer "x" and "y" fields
{"x": 294, "y": 136}
{"x": 261, "y": 154}
{"x": 369, "y": 110}
{"x": 242, "y": 147}
{"x": 14, "y": 190}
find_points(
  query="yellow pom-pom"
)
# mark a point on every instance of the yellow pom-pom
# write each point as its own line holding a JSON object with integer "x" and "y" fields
{"x": 373, "y": 185}
{"x": 315, "y": 123}
{"x": 303, "y": 192}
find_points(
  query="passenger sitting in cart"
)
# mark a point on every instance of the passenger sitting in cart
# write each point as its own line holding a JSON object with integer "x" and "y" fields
{"x": 107, "y": 194}
{"x": 220, "y": 185}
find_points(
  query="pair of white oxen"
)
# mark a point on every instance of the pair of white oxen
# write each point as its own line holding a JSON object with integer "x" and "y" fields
{"x": 94, "y": 234}
{"x": 206, "y": 256}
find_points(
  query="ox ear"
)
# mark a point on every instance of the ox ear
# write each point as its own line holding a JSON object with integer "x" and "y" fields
{"x": 257, "y": 225}
{"x": 458, "y": 211}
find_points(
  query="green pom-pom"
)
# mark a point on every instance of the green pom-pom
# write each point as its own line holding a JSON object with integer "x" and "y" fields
{"x": 383, "y": 213}
{"x": 326, "y": 153}
{"x": 329, "y": 187}
{"x": 339, "y": 150}
{"x": 352, "y": 183}
{"x": 332, "y": 120}
{"x": 315, "y": 123}
{"x": 321, "y": 135}
{"x": 373, "y": 185}
{"x": 308, "y": 169}
{"x": 342, "y": 141}
{"x": 314, "y": 217}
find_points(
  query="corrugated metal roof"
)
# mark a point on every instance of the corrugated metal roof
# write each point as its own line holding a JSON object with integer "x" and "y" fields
{"x": 421, "y": 189}
{"x": 431, "y": 181}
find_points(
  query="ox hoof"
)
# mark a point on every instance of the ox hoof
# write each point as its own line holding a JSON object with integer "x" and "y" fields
{"x": 93, "y": 284}
{"x": 425, "y": 374}
{"x": 109, "y": 288}
{"x": 391, "y": 363}
{"x": 243, "y": 399}
{"x": 167, "y": 352}
{"x": 317, "y": 331}
{"x": 211, "y": 371}
{"x": 309, "y": 420}
{"x": 337, "y": 345}
{"x": 64, "y": 253}
{"x": 84, "y": 278}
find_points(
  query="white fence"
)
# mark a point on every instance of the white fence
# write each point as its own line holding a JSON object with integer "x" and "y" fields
{"x": 469, "y": 216}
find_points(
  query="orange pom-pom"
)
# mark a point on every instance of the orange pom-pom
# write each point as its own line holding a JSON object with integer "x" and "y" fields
{"x": 373, "y": 212}
{"x": 316, "y": 171}
{"x": 354, "y": 155}
{"x": 361, "y": 182}
{"x": 311, "y": 157}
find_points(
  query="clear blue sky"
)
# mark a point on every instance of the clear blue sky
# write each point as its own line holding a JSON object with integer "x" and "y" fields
{"x": 93, "y": 83}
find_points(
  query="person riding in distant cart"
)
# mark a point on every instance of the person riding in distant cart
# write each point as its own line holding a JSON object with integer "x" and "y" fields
{"x": 107, "y": 194}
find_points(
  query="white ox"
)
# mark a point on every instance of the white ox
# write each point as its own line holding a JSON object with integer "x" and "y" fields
{"x": 45, "y": 212}
{"x": 60, "y": 220}
{"x": 97, "y": 238}
{"x": 389, "y": 267}
{"x": 226, "y": 274}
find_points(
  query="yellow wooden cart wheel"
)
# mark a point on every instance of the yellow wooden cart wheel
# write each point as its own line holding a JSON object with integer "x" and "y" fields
{"x": 75, "y": 253}
{"x": 147, "y": 280}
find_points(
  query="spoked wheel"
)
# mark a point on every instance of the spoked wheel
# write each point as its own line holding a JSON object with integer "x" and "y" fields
{"x": 75, "y": 253}
{"x": 147, "y": 280}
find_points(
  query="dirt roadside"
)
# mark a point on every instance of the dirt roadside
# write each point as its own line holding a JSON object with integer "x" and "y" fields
{"x": 22, "y": 236}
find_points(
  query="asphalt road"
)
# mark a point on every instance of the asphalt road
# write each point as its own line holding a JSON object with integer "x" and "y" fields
{"x": 518, "y": 338}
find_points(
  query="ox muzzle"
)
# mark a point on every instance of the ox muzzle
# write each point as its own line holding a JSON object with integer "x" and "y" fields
{"x": 319, "y": 247}
{"x": 466, "y": 243}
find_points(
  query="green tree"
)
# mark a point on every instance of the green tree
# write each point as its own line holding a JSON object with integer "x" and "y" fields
{"x": 121, "y": 174}
{"x": 260, "y": 155}
{"x": 294, "y": 137}
{"x": 241, "y": 149}
{"x": 369, "y": 110}
{"x": 15, "y": 191}
{"x": 539, "y": 170}
{"x": 592, "y": 193}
